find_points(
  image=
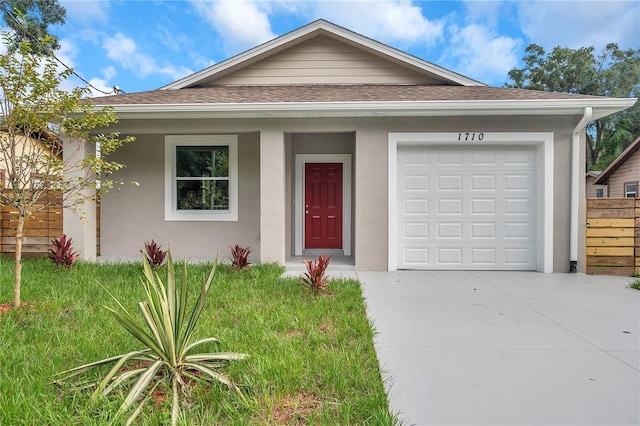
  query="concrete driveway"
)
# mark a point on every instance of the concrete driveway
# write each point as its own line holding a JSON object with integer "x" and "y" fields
{"x": 507, "y": 348}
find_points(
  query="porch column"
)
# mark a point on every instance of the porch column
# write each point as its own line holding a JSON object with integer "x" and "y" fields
{"x": 272, "y": 196}
{"x": 371, "y": 238}
{"x": 82, "y": 226}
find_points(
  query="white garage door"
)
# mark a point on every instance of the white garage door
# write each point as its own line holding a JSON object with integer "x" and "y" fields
{"x": 467, "y": 207}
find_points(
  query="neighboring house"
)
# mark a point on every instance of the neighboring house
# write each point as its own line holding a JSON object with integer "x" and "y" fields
{"x": 323, "y": 140}
{"x": 622, "y": 177}
{"x": 28, "y": 149}
{"x": 592, "y": 190}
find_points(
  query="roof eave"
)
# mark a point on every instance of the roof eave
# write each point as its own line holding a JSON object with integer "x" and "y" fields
{"x": 603, "y": 177}
{"x": 601, "y": 108}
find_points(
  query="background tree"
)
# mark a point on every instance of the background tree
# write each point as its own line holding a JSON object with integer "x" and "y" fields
{"x": 614, "y": 72}
{"x": 30, "y": 20}
{"x": 36, "y": 118}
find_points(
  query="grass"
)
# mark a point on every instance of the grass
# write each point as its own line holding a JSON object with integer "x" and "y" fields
{"x": 311, "y": 361}
{"x": 635, "y": 284}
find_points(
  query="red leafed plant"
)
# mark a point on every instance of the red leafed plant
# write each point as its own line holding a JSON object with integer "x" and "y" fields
{"x": 154, "y": 253}
{"x": 240, "y": 256}
{"x": 315, "y": 278}
{"x": 62, "y": 254}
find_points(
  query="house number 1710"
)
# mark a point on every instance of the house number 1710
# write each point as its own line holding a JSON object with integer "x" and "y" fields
{"x": 470, "y": 136}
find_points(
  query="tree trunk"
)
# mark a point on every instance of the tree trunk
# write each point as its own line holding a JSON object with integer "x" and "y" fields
{"x": 18, "y": 261}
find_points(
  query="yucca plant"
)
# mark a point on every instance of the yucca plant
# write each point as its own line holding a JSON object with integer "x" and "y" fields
{"x": 62, "y": 254}
{"x": 154, "y": 253}
{"x": 240, "y": 256}
{"x": 167, "y": 359}
{"x": 315, "y": 278}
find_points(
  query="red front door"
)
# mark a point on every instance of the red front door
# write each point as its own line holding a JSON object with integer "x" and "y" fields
{"x": 323, "y": 205}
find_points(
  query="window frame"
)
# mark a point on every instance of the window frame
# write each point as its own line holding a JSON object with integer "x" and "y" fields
{"x": 627, "y": 193}
{"x": 171, "y": 212}
{"x": 3, "y": 177}
{"x": 599, "y": 192}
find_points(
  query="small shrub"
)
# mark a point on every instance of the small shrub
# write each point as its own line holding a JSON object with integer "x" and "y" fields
{"x": 154, "y": 254}
{"x": 167, "y": 361}
{"x": 62, "y": 254}
{"x": 315, "y": 278}
{"x": 240, "y": 256}
{"x": 635, "y": 284}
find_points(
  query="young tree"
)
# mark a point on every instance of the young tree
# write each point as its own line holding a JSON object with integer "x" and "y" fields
{"x": 36, "y": 118}
{"x": 30, "y": 20}
{"x": 615, "y": 72}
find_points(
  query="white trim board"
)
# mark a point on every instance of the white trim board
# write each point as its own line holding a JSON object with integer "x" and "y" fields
{"x": 544, "y": 142}
{"x": 300, "y": 161}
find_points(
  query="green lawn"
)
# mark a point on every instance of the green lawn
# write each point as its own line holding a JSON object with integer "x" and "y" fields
{"x": 311, "y": 361}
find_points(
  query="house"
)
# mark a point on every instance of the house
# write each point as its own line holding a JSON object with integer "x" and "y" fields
{"x": 323, "y": 140}
{"x": 30, "y": 148}
{"x": 622, "y": 177}
{"x": 591, "y": 189}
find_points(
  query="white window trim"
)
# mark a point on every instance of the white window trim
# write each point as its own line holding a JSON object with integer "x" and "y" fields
{"x": 171, "y": 213}
{"x": 544, "y": 142}
{"x": 627, "y": 193}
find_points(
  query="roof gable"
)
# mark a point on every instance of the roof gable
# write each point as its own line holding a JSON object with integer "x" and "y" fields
{"x": 331, "y": 55}
{"x": 633, "y": 149}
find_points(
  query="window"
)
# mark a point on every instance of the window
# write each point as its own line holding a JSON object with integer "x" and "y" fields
{"x": 37, "y": 182}
{"x": 2, "y": 178}
{"x": 631, "y": 189}
{"x": 201, "y": 182}
{"x": 599, "y": 192}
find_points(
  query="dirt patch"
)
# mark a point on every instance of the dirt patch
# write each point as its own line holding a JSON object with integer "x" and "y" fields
{"x": 6, "y": 307}
{"x": 296, "y": 409}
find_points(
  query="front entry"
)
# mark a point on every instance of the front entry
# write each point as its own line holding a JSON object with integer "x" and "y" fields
{"x": 323, "y": 206}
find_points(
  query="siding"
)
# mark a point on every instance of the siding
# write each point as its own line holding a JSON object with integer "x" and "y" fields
{"x": 324, "y": 60}
{"x": 590, "y": 188}
{"x": 629, "y": 171}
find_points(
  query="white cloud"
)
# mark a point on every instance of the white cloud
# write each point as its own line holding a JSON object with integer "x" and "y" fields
{"x": 478, "y": 53}
{"x": 100, "y": 86}
{"x": 390, "y": 21}
{"x": 241, "y": 24}
{"x": 86, "y": 11}
{"x": 577, "y": 24}
{"x": 109, "y": 72}
{"x": 124, "y": 51}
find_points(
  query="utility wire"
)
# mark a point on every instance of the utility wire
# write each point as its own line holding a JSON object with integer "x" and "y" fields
{"x": 9, "y": 13}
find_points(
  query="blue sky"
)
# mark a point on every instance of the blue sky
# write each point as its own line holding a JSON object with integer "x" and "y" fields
{"x": 145, "y": 44}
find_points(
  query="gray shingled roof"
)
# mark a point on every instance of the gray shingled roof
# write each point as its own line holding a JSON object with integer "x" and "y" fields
{"x": 328, "y": 93}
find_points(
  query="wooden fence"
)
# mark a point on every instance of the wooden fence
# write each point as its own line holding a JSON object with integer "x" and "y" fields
{"x": 39, "y": 229}
{"x": 613, "y": 236}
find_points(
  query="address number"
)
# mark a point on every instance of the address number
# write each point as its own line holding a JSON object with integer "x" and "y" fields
{"x": 470, "y": 136}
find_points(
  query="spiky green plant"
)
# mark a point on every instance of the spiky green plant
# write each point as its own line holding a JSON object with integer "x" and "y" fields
{"x": 167, "y": 358}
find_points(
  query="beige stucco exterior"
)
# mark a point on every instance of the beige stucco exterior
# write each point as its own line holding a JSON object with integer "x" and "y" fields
{"x": 267, "y": 149}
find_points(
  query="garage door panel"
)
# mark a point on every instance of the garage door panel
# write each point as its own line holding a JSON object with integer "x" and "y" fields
{"x": 484, "y": 183}
{"x": 483, "y": 206}
{"x": 449, "y": 183}
{"x": 467, "y": 208}
{"x": 416, "y": 206}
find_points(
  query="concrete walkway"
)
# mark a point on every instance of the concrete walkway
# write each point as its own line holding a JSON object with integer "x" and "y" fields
{"x": 507, "y": 348}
